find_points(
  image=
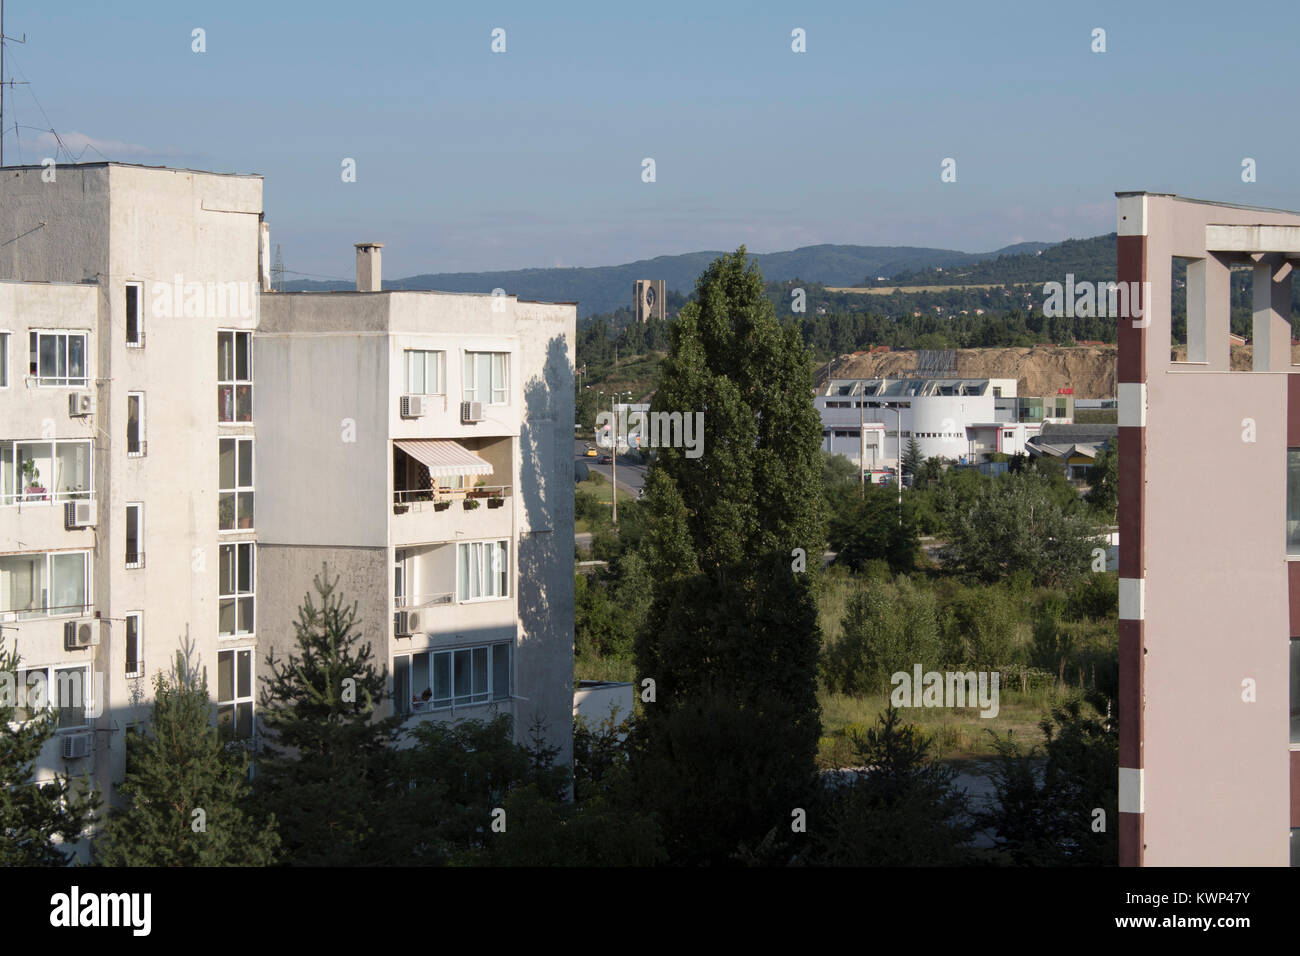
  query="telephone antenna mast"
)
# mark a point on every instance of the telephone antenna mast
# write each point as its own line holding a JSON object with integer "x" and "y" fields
{"x": 3, "y": 81}
{"x": 277, "y": 271}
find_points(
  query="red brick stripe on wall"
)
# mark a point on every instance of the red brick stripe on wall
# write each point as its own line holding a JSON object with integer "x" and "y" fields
{"x": 1132, "y": 496}
{"x": 1132, "y": 252}
{"x": 1293, "y": 592}
{"x": 1293, "y": 411}
{"x": 1130, "y": 839}
{"x": 1130, "y": 694}
{"x": 1295, "y": 788}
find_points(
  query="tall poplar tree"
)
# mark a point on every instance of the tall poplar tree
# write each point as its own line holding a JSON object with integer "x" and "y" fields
{"x": 726, "y": 751}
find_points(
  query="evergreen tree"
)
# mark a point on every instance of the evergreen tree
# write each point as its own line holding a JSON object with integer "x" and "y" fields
{"x": 726, "y": 752}
{"x": 35, "y": 818}
{"x": 1103, "y": 478}
{"x": 911, "y": 462}
{"x": 187, "y": 792}
{"x": 903, "y": 810}
{"x": 326, "y": 768}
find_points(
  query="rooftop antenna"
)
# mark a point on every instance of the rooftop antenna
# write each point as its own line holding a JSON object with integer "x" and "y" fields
{"x": 3, "y": 82}
{"x": 277, "y": 265}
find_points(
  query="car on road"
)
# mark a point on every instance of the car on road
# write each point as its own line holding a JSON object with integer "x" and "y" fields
{"x": 590, "y": 452}
{"x": 604, "y": 460}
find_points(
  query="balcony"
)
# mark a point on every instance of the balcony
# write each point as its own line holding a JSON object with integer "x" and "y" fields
{"x": 441, "y": 491}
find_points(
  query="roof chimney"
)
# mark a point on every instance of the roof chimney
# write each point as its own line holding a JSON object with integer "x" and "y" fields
{"x": 369, "y": 272}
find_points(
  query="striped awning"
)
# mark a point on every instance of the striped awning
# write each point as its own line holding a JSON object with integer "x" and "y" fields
{"x": 445, "y": 458}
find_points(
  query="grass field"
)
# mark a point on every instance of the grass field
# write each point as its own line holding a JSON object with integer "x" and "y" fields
{"x": 601, "y": 490}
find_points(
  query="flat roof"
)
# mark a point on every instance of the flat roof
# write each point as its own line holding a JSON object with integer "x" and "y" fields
{"x": 105, "y": 163}
{"x": 1208, "y": 202}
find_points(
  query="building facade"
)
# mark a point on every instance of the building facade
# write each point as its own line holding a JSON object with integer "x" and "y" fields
{"x": 181, "y": 452}
{"x": 1209, "y": 570}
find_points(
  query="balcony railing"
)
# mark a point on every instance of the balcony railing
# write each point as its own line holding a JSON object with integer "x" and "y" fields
{"x": 40, "y": 495}
{"x": 412, "y": 602}
{"x": 442, "y": 498}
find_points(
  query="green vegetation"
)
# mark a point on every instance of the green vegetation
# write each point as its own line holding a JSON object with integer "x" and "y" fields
{"x": 35, "y": 818}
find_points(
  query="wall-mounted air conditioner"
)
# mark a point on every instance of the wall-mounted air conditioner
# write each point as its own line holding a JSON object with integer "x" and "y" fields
{"x": 77, "y": 746}
{"x": 471, "y": 412}
{"x": 80, "y": 634}
{"x": 79, "y": 514}
{"x": 81, "y": 404}
{"x": 407, "y": 623}
{"x": 413, "y": 406}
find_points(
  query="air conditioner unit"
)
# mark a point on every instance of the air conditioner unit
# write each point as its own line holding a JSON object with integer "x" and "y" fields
{"x": 412, "y": 406}
{"x": 407, "y": 622}
{"x": 80, "y": 634}
{"x": 471, "y": 412}
{"x": 77, "y": 746}
{"x": 81, "y": 404}
{"x": 79, "y": 514}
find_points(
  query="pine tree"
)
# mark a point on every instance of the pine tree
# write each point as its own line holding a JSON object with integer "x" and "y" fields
{"x": 726, "y": 752}
{"x": 35, "y": 818}
{"x": 326, "y": 769}
{"x": 188, "y": 792}
{"x": 911, "y": 462}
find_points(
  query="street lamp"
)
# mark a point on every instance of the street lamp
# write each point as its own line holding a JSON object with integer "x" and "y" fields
{"x": 613, "y": 457}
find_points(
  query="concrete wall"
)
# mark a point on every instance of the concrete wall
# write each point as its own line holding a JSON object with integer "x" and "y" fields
{"x": 1204, "y": 571}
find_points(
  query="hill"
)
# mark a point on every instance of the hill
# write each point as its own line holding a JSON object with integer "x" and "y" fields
{"x": 603, "y": 289}
{"x": 1092, "y": 259}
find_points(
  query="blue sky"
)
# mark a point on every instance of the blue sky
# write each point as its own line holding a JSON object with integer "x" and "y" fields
{"x": 469, "y": 160}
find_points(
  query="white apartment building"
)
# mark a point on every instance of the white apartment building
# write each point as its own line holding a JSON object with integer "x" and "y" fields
{"x": 180, "y": 451}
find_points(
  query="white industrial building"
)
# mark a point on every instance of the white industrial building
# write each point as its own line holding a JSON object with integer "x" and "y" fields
{"x": 181, "y": 450}
{"x": 960, "y": 419}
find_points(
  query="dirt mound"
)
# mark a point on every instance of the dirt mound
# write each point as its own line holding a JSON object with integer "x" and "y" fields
{"x": 1042, "y": 370}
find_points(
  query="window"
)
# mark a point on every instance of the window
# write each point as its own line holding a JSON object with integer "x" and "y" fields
{"x": 435, "y": 680}
{"x": 4, "y": 359}
{"x": 65, "y": 690}
{"x": 45, "y": 471}
{"x": 235, "y": 497}
{"x": 482, "y": 570}
{"x": 424, "y": 372}
{"x": 134, "y": 649}
{"x": 1293, "y": 501}
{"x": 486, "y": 377}
{"x": 1295, "y": 692}
{"x": 235, "y": 604}
{"x": 40, "y": 585}
{"x": 135, "y": 424}
{"x": 134, "y": 316}
{"x": 234, "y": 376}
{"x": 58, "y": 358}
{"x": 135, "y": 535}
{"x": 235, "y": 694}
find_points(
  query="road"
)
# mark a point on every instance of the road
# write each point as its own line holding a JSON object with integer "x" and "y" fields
{"x": 631, "y": 477}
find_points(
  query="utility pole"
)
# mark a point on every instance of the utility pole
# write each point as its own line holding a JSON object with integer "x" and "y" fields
{"x": 862, "y": 447}
{"x": 3, "y": 84}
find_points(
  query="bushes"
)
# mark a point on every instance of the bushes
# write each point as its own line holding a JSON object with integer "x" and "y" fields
{"x": 887, "y": 628}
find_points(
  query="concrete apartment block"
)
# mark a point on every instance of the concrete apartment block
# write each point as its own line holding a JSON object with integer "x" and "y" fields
{"x": 1209, "y": 565}
{"x": 180, "y": 452}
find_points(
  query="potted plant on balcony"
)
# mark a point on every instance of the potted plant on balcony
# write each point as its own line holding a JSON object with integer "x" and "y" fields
{"x": 32, "y": 481}
{"x": 496, "y": 499}
{"x": 470, "y": 502}
{"x": 441, "y": 504}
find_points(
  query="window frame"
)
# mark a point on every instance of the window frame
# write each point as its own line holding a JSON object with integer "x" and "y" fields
{"x": 138, "y": 507}
{"x": 22, "y": 675}
{"x": 136, "y": 617}
{"x": 47, "y": 611}
{"x": 234, "y": 702}
{"x": 19, "y": 495}
{"x": 238, "y": 492}
{"x": 405, "y": 701}
{"x": 441, "y": 362}
{"x": 501, "y": 545}
{"x": 140, "y": 442}
{"x": 56, "y": 381}
{"x": 236, "y": 596}
{"x": 470, "y": 386}
{"x": 138, "y": 341}
{"x": 6, "y": 336}
{"x": 234, "y": 383}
